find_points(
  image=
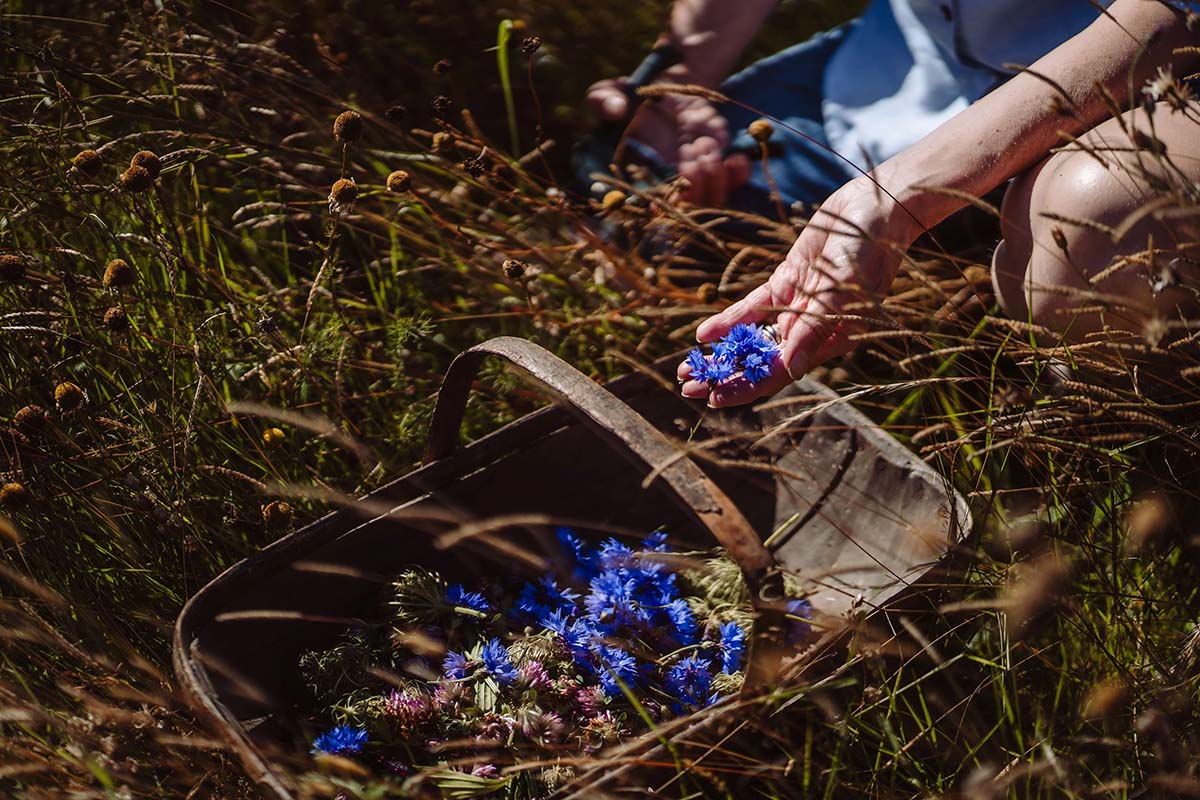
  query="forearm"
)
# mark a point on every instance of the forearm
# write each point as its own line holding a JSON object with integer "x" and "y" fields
{"x": 1014, "y": 127}
{"x": 712, "y": 35}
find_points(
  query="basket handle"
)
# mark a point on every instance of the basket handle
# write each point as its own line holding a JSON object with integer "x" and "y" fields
{"x": 635, "y": 438}
{"x": 619, "y": 425}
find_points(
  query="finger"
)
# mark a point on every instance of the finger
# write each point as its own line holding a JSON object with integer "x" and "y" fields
{"x": 696, "y": 390}
{"x": 714, "y": 177}
{"x": 754, "y": 307}
{"x": 607, "y": 100}
{"x": 740, "y": 391}
{"x": 737, "y": 171}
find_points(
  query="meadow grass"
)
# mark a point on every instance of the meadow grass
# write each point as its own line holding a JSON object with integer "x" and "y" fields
{"x": 275, "y": 355}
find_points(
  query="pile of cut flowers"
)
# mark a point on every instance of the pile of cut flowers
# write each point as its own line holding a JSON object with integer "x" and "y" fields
{"x": 531, "y": 675}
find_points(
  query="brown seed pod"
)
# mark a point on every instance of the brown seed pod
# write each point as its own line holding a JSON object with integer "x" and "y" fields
{"x": 68, "y": 397}
{"x": 12, "y": 267}
{"x": 14, "y": 495}
{"x": 760, "y": 130}
{"x": 116, "y": 320}
{"x": 399, "y": 181}
{"x": 531, "y": 44}
{"x": 118, "y": 274}
{"x": 441, "y": 104}
{"x": 514, "y": 269}
{"x": 30, "y": 419}
{"x": 147, "y": 161}
{"x": 613, "y": 199}
{"x": 442, "y": 66}
{"x": 277, "y": 515}
{"x": 88, "y": 162}
{"x": 342, "y": 194}
{"x": 135, "y": 180}
{"x": 348, "y": 127}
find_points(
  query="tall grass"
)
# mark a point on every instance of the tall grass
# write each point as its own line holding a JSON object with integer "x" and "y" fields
{"x": 1058, "y": 659}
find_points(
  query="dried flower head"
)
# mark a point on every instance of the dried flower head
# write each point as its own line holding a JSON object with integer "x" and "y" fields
{"x": 531, "y": 44}
{"x": 148, "y": 161}
{"x": 30, "y": 419}
{"x": 441, "y": 104}
{"x": 135, "y": 180}
{"x": 442, "y": 66}
{"x": 441, "y": 142}
{"x": 12, "y": 267}
{"x": 614, "y": 198}
{"x": 1166, "y": 88}
{"x": 342, "y": 195}
{"x": 514, "y": 269}
{"x": 475, "y": 167}
{"x": 277, "y": 515}
{"x": 272, "y": 436}
{"x": 760, "y": 130}
{"x": 116, "y": 320}
{"x": 88, "y": 162}
{"x": 396, "y": 111}
{"x": 14, "y": 495}
{"x": 69, "y": 397}
{"x": 399, "y": 181}
{"x": 348, "y": 127}
{"x": 119, "y": 274}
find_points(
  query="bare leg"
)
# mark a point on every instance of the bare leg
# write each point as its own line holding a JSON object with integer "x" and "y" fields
{"x": 1076, "y": 258}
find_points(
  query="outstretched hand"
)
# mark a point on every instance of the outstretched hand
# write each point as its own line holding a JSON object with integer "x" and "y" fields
{"x": 848, "y": 254}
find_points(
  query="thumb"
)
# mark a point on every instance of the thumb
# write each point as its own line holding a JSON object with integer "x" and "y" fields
{"x": 607, "y": 100}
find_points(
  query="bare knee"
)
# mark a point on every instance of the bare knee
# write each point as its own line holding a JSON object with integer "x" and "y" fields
{"x": 1076, "y": 255}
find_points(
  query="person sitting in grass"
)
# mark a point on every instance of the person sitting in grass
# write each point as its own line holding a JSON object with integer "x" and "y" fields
{"x": 893, "y": 120}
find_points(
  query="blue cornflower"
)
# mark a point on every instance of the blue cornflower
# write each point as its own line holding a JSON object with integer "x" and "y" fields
{"x": 455, "y": 666}
{"x": 741, "y": 340}
{"x": 689, "y": 681}
{"x": 615, "y": 556}
{"x": 497, "y": 662}
{"x": 613, "y": 601}
{"x": 800, "y": 612}
{"x": 616, "y": 667}
{"x": 458, "y": 597}
{"x": 755, "y": 368}
{"x": 540, "y": 599}
{"x": 731, "y": 646}
{"x": 720, "y": 370}
{"x": 339, "y": 740}
{"x": 583, "y": 558}
{"x": 698, "y": 364}
{"x": 680, "y": 615}
{"x": 656, "y": 542}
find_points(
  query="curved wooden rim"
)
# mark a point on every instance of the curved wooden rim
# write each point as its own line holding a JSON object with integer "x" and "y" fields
{"x": 632, "y": 436}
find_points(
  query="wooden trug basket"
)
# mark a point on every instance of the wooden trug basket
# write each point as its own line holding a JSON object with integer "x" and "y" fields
{"x": 857, "y": 516}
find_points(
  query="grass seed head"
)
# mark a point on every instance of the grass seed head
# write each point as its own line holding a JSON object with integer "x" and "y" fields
{"x": 760, "y": 130}
{"x": 88, "y": 162}
{"x": 135, "y": 180}
{"x": 441, "y": 142}
{"x": 14, "y": 495}
{"x": 348, "y": 127}
{"x": 707, "y": 293}
{"x": 118, "y": 274}
{"x": 399, "y": 181}
{"x": 30, "y": 419}
{"x": 69, "y": 397}
{"x": 514, "y": 269}
{"x": 147, "y": 161}
{"x": 277, "y": 515}
{"x": 342, "y": 195}
{"x": 12, "y": 267}
{"x": 116, "y": 320}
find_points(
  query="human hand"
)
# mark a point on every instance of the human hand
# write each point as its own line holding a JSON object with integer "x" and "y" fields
{"x": 847, "y": 254}
{"x": 685, "y": 131}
